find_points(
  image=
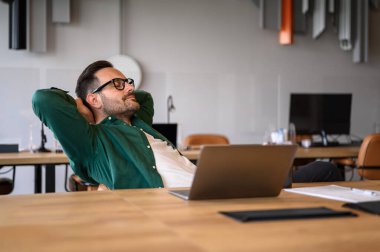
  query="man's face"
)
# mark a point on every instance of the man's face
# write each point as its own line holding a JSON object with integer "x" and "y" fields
{"x": 116, "y": 102}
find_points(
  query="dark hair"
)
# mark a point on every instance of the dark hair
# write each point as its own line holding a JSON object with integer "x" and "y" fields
{"x": 87, "y": 81}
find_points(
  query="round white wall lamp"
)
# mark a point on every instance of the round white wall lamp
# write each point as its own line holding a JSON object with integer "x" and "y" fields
{"x": 128, "y": 66}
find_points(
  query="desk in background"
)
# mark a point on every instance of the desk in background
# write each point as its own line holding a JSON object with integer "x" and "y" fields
{"x": 303, "y": 153}
{"x": 153, "y": 220}
{"x": 49, "y": 160}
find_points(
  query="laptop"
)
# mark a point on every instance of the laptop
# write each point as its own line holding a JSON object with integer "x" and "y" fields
{"x": 239, "y": 171}
{"x": 168, "y": 130}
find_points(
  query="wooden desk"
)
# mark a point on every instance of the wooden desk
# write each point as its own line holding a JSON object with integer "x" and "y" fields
{"x": 49, "y": 160}
{"x": 153, "y": 220}
{"x": 328, "y": 152}
{"x": 315, "y": 152}
{"x": 28, "y": 158}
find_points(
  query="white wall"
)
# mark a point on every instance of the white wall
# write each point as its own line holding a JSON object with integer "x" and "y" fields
{"x": 234, "y": 77}
{"x": 226, "y": 74}
{"x": 92, "y": 35}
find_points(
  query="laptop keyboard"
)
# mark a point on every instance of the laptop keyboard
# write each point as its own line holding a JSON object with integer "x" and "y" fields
{"x": 182, "y": 192}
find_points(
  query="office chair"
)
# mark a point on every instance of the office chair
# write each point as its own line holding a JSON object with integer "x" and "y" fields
{"x": 343, "y": 163}
{"x": 368, "y": 161}
{"x": 195, "y": 140}
{"x": 7, "y": 185}
{"x": 75, "y": 183}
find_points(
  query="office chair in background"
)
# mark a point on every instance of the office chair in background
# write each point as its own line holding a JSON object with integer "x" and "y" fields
{"x": 195, "y": 140}
{"x": 6, "y": 184}
{"x": 368, "y": 161}
{"x": 75, "y": 183}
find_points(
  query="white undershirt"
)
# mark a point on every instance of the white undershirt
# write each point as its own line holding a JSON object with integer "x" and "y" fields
{"x": 175, "y": 170}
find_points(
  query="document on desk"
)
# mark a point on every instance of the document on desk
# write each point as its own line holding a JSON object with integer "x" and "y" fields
{"x": 340, "y": 193}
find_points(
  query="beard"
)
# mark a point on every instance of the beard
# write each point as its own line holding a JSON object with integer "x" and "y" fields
{"x": 125, "y": 106}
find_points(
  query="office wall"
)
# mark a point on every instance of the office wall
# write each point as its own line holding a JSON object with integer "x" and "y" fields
{"x": 226, "y": 74}
{"x": 232, "y": 77}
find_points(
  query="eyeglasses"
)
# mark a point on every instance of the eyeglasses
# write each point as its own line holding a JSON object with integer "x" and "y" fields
{"x": 118, "y": 83}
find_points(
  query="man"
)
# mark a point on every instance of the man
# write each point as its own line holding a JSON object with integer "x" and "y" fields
{"x": 107, "y": 132}
{"x": 108, "y": 137}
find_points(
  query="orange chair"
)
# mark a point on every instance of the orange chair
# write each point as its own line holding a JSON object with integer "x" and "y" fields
{"x": 195, "y": 140}
{"x": 75, "y": 183}
{"x": 368, "y": 161}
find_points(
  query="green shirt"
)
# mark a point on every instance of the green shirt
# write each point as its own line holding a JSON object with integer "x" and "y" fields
{"x": 111, "y": 152}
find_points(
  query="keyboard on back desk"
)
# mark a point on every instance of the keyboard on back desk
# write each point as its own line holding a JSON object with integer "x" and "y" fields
{"x": 336, "y": 144}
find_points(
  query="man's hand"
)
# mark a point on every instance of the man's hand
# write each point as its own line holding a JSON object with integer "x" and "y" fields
{"x": 85, "y": 112}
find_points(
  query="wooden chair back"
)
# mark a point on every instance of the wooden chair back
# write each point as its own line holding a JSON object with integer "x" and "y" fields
{"x": 369, "y": 157}
{"x": 201, "y": 139}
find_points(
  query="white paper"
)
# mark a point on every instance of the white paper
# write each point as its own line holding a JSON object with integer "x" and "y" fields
{"x": 340, "y": 193}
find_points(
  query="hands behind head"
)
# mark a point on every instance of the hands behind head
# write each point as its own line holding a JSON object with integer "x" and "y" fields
{"x": 84, "y": 111}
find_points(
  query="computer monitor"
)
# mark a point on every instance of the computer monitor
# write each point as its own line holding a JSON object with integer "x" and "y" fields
{"x": 168, "y": 130}
{"x": 321, "y": 113}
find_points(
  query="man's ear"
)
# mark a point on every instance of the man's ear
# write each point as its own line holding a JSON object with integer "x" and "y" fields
{"x": 94, "y": 101}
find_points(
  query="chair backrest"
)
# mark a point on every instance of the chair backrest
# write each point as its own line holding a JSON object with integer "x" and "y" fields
{"x": 200, "y": 139}
{"x": 369, "y": 157}
{"x": 75, "y": 183}
{"x": 6, "y": 184}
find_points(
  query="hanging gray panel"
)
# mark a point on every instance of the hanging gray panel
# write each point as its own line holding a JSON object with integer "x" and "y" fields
{"x": 299, "y": 19}
{"x": 60, "y": 11}
{"x": 331, "y": 6}
{"x": 257, "y": 3}
{"x": 344, "y": 31}
{"x": 360, "y": 52}
{"x": 374, "y": 4}
{"x": 319, "y": 18}
{"x": 305, "y": 6}
{"x": 270, "y": 14}
{"x": 335, "y": 16}
{"x": 38, "y": 26}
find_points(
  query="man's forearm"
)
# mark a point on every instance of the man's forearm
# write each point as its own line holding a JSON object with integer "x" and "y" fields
{"x": 58, "y": 111}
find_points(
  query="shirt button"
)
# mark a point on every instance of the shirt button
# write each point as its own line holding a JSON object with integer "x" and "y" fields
{"x": 148, "y": 147}
{"x": 109, "y": 118}
{"x": 141, "y": 129}
{"x": 154, "y": 167}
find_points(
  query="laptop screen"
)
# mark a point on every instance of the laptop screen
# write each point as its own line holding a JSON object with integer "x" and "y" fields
{"x": 168, "y": 130}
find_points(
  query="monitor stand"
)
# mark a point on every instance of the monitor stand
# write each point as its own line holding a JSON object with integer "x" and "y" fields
{"x": 43, "y": 141}
{"x": 325, "y": 141}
